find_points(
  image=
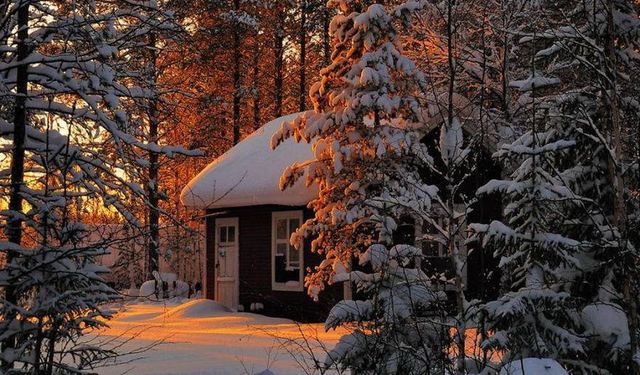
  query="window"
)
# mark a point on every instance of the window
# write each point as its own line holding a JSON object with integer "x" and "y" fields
{"x": 436, "y": 254}
{"x": 287, "y": 267}
{"x": 405, "y": 233}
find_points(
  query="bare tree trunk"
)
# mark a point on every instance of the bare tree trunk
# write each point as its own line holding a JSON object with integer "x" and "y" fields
{"x": 53, "y": 334}
{"x": 152, "y": 183}
{"x": 14, "y": 225}
{"x": 616, "y": 178}
{"x": 256, "y": 87}
{"x": 505, "y": 64}
{"x": 236, "y": 77}
{"x": 452, "y": 227}
{"x": 303, "y": 55}
{"x": 279, "y": 62}
{"x": 326, "y": 42}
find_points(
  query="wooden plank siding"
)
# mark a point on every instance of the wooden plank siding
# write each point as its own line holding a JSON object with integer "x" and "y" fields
{"x": 255, "y": 266}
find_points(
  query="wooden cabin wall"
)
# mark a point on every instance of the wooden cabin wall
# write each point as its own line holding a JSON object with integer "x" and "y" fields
{"x": 255, "y": 266}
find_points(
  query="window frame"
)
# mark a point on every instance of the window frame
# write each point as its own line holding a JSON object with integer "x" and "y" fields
{"x": 288, "y": 215}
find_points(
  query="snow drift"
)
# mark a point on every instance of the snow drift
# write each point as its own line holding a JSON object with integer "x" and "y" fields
{"x": 199, "y": 308}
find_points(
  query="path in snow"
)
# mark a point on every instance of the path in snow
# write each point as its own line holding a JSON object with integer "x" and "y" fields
{"x": 201, "y": 338}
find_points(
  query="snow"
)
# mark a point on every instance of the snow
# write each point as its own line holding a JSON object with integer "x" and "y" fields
{"x": 608, "y": 322}
{"x": 176, "y": 288}
{"x": 537, "y": 81}
{"x": 249, "y": 173}
{"x": 203, "y": 339}
{"x": 537, "y": 366}
{"x": 199, "y": 308}
{"x": 451, "y": 142}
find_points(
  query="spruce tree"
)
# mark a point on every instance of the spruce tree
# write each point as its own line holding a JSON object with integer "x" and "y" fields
{"x": 590, "y": 47}
{"x": 537, "y": 316}
{"x": 366, "y": 131}
{"x": 67, "y": 70}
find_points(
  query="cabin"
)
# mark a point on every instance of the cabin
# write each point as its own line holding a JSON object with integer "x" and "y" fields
{"x": 249, "y": 263}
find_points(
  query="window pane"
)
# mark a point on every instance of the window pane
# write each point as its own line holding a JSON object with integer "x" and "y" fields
{"x": 294, "y": 257}
{"x": 405, "y": 234}
{"x": 286, "y": 275}
{"x": 231, "y": 235}
{"x": 431, "y": 249}
{"x": 280, "y": 265}
{"x": 281, "y": 249}
{"x": 281, "y": 229}
{"x": 223, "y": 234}
{"x": 293, "y": 225}
{"x": 287, "y": 260}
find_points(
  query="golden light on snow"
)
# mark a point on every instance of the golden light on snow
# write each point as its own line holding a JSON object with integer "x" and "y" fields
{"x": 197, "y": 337}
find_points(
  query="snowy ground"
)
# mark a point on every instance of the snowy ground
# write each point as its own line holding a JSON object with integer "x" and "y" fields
{"x": 200, "y": 338}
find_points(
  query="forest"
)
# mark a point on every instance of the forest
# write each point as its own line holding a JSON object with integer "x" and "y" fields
{"x": 507, "y": 128}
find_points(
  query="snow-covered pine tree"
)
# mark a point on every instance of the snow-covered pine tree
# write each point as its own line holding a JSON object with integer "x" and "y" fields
{"x": 469, "y": 58}
{"x": 366, "y": 130}
{"x": 58, "y": 286}
{"x": 64, "y": 69}
{"x": 393, "y": 331}
{"x": 591, "y": 47}
{"x": 538, "y": 315}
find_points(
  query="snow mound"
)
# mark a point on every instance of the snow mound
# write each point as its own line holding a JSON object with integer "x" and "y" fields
{"x": 132, "y": 292}
{"x": 537, "y": 366}
{"x": 199, "y": 308}
{"x": 138, "y": 317}
{"x": 147, "y": 289}
{"x": 608, "y": 322}
{"x": 249, "y": 173}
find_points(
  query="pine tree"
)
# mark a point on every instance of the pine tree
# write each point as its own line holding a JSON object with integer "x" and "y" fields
{"x": 59, "y": 287}
{"x": 366, "y": 132}
{"x": 66, "y": 68}
{"x": 393, "y": 333}
{"x": 538, "y": 315}
{"x": 589, "y": 48}
{"x": 580, "y": 54}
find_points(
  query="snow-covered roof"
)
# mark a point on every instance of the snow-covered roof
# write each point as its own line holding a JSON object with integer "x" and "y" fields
{"x": 248, "y": 174}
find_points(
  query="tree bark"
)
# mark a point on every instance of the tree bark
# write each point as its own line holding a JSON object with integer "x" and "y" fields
{"x": 616, "y": 178}
{"x": 256, "y": 87}
{"x": 279, "y": 62}
{"x": 14, "y": 225}
{"x": 326, "y": 42}
{"x": 152, "y": 182}
{"x": 303, "y": 55}
{"x": 236, "y": 77}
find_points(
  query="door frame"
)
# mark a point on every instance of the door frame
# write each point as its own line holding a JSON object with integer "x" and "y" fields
{"x": 227, "y": 221}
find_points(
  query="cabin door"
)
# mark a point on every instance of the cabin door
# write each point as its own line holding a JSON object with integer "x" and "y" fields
{"x": 226, "y": 257}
